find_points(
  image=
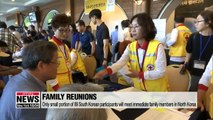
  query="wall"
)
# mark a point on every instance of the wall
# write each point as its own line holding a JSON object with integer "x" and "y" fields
{"x": 59, "y": 5}
{"x": 156, "y": 6}
{"x": 194, "y": 9}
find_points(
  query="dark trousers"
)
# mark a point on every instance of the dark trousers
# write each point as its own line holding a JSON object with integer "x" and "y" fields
{"x": 177, "y": 63}
{"x": 194, "y": 82}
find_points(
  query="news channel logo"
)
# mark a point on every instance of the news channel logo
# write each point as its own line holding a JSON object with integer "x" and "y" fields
{"x": 28, "y": 100}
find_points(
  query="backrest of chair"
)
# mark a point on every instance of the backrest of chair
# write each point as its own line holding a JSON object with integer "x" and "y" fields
{"x": 90, "y": 65}
{"x": 83, "y": 55}
{"x": 178, "y": 82}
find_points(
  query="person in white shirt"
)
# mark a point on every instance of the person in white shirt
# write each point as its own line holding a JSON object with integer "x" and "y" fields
{"x": 204, "y": 84}
{"x": 126, "y": 31}
{"x": 146, "y": 57}
{"x": 25, "y": 41}
{"x": 177, "y": 42}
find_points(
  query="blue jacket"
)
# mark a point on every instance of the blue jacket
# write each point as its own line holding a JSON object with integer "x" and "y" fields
{"x": 21, "y": 82}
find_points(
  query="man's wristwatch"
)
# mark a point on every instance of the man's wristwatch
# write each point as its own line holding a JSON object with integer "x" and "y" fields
{"x": 105, "y": 59}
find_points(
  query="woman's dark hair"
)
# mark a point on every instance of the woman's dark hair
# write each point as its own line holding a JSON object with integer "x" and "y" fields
{"x": 208, "y": 17}
{"x": 74, "y": 30}
{"x": 38, "y": 51}
{"x": 60, "y": 20}
{"x": 125, "y": 23}
{"x": 147, "y": 25}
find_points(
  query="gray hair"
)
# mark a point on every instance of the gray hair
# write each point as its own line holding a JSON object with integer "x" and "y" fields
{"x": 79, "y": 113}
{"x": 37, "y": 51}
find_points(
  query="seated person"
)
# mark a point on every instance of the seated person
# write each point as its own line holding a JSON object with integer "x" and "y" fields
{"x": 25, "y": 41}
{"x": 79, "y": 113}
{"x": 40, "y": 62}
{"x": 5, "y": 55}
{"x": 77, "y": 62}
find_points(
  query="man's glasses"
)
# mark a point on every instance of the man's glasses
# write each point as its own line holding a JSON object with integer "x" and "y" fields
{"x": 53, "y": 62}
{"x": 61, "y": 30}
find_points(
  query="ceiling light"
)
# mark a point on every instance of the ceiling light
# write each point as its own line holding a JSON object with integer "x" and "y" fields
{"x": 12, "y": 9}
{"x": 30, "y": 2}
{"x": 13, "y": 0}
{"x": 138, "y": 2}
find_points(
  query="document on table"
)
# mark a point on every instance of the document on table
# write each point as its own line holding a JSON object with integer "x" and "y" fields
{"x": 129, "y": 89}
{"x": 166, "y": 114}
{"x": 111, "y": 115}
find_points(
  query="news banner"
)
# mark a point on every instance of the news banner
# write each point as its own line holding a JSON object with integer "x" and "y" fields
{"x": 36, "y": 100}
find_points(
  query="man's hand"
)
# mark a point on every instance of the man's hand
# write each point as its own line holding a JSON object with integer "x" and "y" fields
{"x": 100, "y": 75}
{"x": 104, "y": 63}
{"x": 200, "y": 105}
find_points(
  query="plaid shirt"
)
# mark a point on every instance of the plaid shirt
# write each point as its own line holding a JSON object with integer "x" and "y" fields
{"x": 10, "y": 39}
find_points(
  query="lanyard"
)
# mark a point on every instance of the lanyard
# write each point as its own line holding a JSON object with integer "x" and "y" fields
{"x": 141, "y": 68}
{"x": 201, "y": 42}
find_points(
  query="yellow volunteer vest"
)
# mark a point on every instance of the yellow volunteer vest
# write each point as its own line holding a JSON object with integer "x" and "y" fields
{"x": 178, "y": 49}
{"x": 79, "y": 65}
{"x": 64, "y": 75}
{"x": 160, "y": 84}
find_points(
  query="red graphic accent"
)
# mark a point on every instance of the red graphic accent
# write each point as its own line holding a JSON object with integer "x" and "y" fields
{"x": 187, "y": 37}
{"x": 27, "y": 93}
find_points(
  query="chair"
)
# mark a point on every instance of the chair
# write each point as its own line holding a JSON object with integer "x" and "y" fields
{"x": 83, "y": 55}
{"x": 90, "y": 65}
{"x": 177, "y": 81}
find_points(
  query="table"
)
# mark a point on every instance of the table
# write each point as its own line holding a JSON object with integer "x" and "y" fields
{"x": 143, "y": 113}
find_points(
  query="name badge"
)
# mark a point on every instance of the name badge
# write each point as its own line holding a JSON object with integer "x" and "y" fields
{"x": 199, "y": 64}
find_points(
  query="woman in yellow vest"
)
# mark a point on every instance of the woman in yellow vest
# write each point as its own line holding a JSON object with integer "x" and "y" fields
{"x": 146, "y": 57}
{"x": 77, "y": 62}
{"x": 61, "y": 29}
{"x": 204, "y": 83}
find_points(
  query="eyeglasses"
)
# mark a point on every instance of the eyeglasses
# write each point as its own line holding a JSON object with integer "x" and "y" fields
{"x": 53, "y": 62}
{"x": 198, "y": 21}
{"x": 61, "y": 30}
{"x": 137, "y": 27}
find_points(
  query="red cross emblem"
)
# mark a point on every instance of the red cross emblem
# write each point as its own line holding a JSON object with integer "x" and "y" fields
{"x": 187, "y": 37}
{"x": 150, "y": 67}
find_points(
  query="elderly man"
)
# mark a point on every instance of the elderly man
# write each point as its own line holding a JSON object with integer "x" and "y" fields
{"x": 40, "y": 62}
